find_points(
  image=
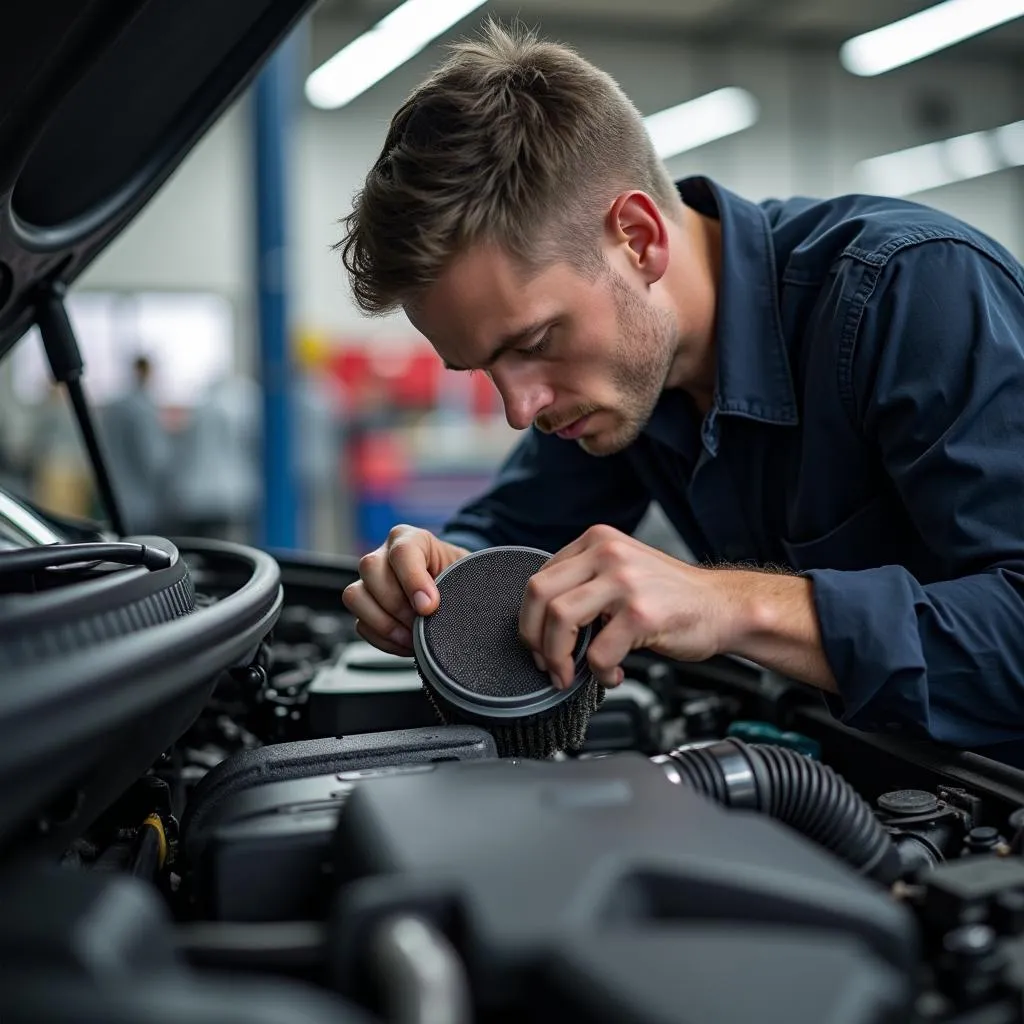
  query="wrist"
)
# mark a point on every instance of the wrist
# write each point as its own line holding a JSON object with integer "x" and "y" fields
{"x": 770, "y": 619}
{"x": 758, "y": 608}
{"x": 745, "y": 614}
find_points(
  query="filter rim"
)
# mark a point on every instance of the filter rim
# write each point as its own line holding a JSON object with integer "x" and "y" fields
{"x": 522, "y": 706}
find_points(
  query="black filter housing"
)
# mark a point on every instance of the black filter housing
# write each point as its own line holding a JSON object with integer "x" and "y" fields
{"x": 537, "y": 869}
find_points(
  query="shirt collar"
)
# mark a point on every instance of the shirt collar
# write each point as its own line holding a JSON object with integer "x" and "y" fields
{"x": 753, "y": 373}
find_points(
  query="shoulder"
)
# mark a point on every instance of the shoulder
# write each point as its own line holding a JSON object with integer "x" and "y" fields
{"x": 937, "y": 323}
{"x": 903, "y": 293}
{"x": 857, "y": 234}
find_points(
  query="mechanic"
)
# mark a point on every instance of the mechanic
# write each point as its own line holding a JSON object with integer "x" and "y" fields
{"x": 825, "y": 397}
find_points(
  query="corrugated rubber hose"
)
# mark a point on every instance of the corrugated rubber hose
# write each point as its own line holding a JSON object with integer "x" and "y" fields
{"x": 805, "y": 795}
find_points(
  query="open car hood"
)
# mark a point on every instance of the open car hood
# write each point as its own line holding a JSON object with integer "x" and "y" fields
{"x": 100, "y": 100}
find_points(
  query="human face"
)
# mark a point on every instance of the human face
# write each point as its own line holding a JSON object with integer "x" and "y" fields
{"x": 584, "y": 359}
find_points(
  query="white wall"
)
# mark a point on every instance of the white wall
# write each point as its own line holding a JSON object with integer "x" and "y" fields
{"x": 816, "y": 121}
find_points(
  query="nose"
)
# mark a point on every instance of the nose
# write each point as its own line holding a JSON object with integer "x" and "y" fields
{"x": 524, "y": 397}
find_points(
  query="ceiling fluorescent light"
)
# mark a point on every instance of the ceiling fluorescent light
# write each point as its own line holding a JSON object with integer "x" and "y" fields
{"x": 942, "y": 163}
{"x": 377, "y": 52}
{"x": 1009, "y": 142}
{"x": 926, "y": 32}
{"x": 692, "y": 124}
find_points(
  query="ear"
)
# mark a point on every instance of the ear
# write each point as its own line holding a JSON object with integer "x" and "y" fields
{"x": 635, "y": 222}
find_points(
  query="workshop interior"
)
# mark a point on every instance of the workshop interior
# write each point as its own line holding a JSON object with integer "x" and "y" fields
{"x": 218, "y": 803}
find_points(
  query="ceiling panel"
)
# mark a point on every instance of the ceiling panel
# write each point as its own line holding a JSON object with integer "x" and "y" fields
{"x": 845, "y": 15}
{"x": 828, "y": 22}
{"x": 850, "y": 17}
{"x": 681, "y": 13}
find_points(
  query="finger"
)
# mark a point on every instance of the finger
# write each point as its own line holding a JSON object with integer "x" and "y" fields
{"x": 384, "y": 587}
{"x": 548, "y": 583}
{"x": 573, "y": 548}
{"x": 591, "y": 537}
{"x": 361, "y": 603}
{"x": 385, "y": 644}
{"x": 408, "y": 559}
{"x": 609, "y": 648}
{"x": 566, "y": 615}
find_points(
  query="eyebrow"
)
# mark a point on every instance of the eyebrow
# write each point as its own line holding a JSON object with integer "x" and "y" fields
{"x": 509, "y": 341}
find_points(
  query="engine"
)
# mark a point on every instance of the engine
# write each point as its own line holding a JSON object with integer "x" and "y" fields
{"x": 335, "y": 794}
{"x": 719, "y": 849}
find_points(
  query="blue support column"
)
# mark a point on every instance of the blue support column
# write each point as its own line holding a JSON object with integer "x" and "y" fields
{"x": 273, "y": 105}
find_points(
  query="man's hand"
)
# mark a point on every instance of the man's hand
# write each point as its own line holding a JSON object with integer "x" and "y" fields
{"x": 647, "y": 599}
{"x": 396, "y": 584}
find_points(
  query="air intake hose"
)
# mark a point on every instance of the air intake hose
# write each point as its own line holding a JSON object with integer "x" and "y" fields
{"x": 803, "y": 794}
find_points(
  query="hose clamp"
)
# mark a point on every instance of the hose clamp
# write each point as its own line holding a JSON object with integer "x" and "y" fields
{"x": 740, "y": 779}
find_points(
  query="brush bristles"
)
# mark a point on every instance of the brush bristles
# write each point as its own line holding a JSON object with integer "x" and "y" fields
{"x": 538, "y": 737}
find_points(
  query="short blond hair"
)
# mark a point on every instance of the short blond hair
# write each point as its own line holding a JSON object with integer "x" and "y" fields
{"x": 513, "y": 140}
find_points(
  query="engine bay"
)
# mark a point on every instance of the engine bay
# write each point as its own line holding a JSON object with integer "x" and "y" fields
{"x": 317, "y": 845}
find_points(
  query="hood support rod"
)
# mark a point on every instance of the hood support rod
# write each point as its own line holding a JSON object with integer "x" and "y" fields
{"x": 66, "y": 366}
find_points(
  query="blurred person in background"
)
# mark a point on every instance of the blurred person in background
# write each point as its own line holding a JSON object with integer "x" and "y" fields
{"x": 826, "y": 397}
{"x": 320, "y": 461}
{"x": 215, "y": 488}
{"x": 139, "y": 452}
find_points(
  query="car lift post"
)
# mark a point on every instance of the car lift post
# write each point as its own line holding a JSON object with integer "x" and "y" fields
{"x": 273, "y": 109}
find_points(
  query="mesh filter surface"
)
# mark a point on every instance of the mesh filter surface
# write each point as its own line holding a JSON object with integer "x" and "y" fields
{"x": 538, "y": 736}
{"x": 474, "y": 634}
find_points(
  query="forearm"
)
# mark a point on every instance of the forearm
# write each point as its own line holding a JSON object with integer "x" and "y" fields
{"x": 772, "y": 621}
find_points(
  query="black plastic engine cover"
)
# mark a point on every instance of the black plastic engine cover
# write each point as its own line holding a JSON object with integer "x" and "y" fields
{"x": 526, "y": 862}
{"x": 89, "y": 924}
{"x": 715, "y": 973}
{"x": 257, "y": 832}
{"x": 366, "y": 690}
{"x": 80, "y": 947}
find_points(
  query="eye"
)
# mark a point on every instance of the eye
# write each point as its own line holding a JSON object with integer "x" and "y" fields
{"x": 538, "y": 349}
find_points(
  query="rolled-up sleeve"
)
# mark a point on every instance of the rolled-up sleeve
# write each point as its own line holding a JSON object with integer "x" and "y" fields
{"x": 937, "y": 384}
{"x": 546, "y": 493}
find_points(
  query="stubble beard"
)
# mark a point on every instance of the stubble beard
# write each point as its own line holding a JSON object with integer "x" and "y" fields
{"x": 647, "y": 342}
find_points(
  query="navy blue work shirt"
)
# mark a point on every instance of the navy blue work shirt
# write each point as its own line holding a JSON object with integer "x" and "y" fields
{"x": 867, "y": 431}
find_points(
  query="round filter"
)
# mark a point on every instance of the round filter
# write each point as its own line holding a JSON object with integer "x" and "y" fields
{"x": 469, "y": 650}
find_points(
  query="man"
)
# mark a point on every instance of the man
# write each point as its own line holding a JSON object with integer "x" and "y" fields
{"x": 215, "y": 490}
{"x": 832, "y": 391}
{"x": 139, "y": 452}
